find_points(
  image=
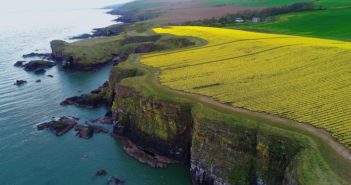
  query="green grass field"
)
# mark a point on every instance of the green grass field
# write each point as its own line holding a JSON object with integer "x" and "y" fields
{"x": 333, "y": 3}
{"x": 330, "y": 20}
{"x": 253, "y": 3}
{"x": 270, "y": 3}
{"x": 331, "y": 24}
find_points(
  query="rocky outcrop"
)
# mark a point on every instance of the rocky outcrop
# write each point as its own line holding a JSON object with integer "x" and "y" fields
{"x": 96, "y": 98}
{"x": 37, "y": 66}
{"x": 57, "y": 47}
{"x": 59, "y": 126}
{"x": 85, "y": 132}
{"x": 115, "y": 181}
{"x": 19, "y": 63}
{"x": 101, "y": 172}
{"x": 20, "y": 82}
{"x": 40, "y": 71}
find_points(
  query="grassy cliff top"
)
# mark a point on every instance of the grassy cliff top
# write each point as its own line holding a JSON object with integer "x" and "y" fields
{"x": 319, "y": 163}
{"x": 100, "y": 50}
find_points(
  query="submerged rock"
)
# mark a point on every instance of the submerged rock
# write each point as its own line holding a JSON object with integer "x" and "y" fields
{"x": 60, "y": 126}
{"x": 20, "y": 82}
{"x": 115, "y": 181}
{"x": 40, "y": 71}
{"x": 19, "y": 63}
{"x": 42, "y": 55}
{"x": 101, "y": 172}
{"x": 35, "y": 65}
{"x": 104, "y": 120}
{"x": 85, "y": 132}
{"x": 99, "y": 129}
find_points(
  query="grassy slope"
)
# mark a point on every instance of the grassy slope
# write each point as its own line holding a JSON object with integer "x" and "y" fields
{"x": 319, "y": 163}
{"x": 92, "y": 51}
{"x": 331, "y": 23}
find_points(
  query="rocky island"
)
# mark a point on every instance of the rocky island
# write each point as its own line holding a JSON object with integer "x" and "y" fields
{"x": 36, "y": 66}
{"x": 20, "y": 82}
{"x": 59, "y": 126}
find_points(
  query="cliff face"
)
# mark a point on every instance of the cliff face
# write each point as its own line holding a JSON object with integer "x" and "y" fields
{"x": 57, "y": 49}
{"x": 219, "y": 153}
{"x": 163, "y": 127}
{"x": 226, "y": 154}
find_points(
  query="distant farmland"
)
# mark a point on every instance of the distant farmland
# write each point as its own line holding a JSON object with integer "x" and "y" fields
{"x": 304, "y": 79}
{"x": 329, "y": 20}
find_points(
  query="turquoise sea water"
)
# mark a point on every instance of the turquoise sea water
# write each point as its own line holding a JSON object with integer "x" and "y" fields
{"x": 28, "y": 156}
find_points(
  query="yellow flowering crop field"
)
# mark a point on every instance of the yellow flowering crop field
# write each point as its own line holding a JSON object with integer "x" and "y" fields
{"x": 304, "y": 79}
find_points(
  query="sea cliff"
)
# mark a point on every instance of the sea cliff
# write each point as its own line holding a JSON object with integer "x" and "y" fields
{"x": 217, "y": 152}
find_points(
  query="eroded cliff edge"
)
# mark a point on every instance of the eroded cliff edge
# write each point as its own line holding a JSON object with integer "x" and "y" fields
{"x": 218, "y": 152}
